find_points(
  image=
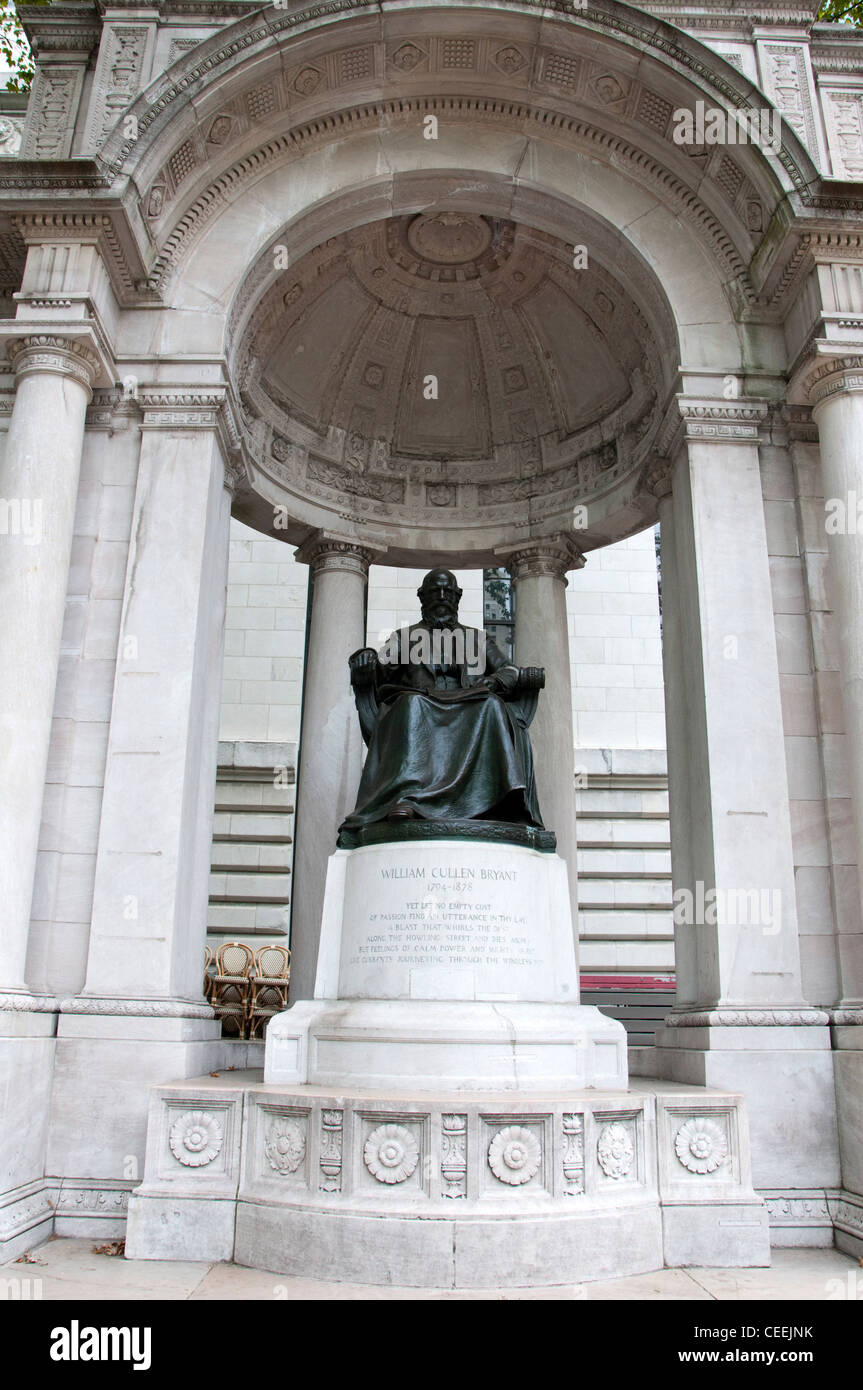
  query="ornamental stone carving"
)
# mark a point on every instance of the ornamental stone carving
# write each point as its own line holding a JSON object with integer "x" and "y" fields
{"x": 449, "y": 238}
{"x": 332, "y": 1126}
{"x": 701, "y": 1144}
{"x": 285, "y": 1144}
{"x": 615, "y": 1150}
{"x": 391, "y": 1153}
{"x": 514, "y": 1155}
{"x": 454, "y": 1155}
{"x": 196, "y": 1138}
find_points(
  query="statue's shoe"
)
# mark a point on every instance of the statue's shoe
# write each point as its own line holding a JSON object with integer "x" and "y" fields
{"x": 402, "y": 811}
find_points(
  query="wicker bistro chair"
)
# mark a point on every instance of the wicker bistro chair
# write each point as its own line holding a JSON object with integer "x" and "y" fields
{"x": 208, "y": 975}
{"x": 232, "y": 987}
{"x": 269, "y": 994}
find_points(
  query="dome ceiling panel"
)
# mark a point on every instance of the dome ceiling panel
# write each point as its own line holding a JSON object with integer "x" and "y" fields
{"x": 548, "y": 380}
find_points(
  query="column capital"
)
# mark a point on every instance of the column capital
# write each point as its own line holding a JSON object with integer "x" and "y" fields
{"x": 656, "y": 477}
{"x": 711, "y": 420}
{"x": 831, "y": 370}
{"x": 325, "y": 551}
{"x": 549, "y": 556}
{"x": 55, "y": 353}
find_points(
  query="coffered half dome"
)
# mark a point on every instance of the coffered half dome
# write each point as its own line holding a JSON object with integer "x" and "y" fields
{"x": 449, "y": 369}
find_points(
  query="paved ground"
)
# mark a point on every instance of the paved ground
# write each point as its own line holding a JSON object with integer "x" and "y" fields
{"x": 69, "y": 1270}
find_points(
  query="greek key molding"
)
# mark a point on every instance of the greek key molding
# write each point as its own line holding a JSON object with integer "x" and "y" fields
{"x": 749, "y": 1018}
{"x": 840, "y": 375}
{"x": 43, "y": 352}
{"x": 722, "y": 422}
{"x": 136, "y": 1008}
{"x": 324, "y": 552}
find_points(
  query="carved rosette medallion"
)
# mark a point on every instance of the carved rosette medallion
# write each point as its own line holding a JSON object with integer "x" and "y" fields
{"x": 514, "y": 1155}
{"x": 615, "y": 1151}
{"x": 391, "y": 1153}
{"x": 701, "y": 1144}
{"x": 196, "y": 1138}
{"x": 285, "y": 1145}
{"x": 449, "y": 238}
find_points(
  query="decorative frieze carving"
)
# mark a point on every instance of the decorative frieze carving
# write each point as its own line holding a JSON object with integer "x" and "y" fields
{"x": 330, "y": 1159}
{"x": 135, "y": 1008}
{"x": 843, "y": 111}
{"x": 453, "y": 1165}
{"x": 285, "y": 1144}
{"x": 615, "y": 1150}
{"x": 573, "y": 1154}
{"x": 51, "y": 112}
{"x": 832, "y": 376}
{"x": 748, "y": 1018}
{"x": 391, "y": 1153}
{"x": 786, "y": 82}
{"x": 196, "y": 1138}
{"x": 701, "y": 1144}
{"x": 118, "y": 77}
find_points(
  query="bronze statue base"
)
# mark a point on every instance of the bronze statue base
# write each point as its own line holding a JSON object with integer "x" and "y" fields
{"x": 496, "y": 832}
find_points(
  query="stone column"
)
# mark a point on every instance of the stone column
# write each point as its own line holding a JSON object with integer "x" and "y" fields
{"x": 740, "y": 1021}
{"x": 657, "y": 480}
{"x": 542, "y": 639}
{"x": 331, "y": 747}
{"x": 836, "y": 395}
{"x": 835, "y": 389}
{"x": 39, "y": 487}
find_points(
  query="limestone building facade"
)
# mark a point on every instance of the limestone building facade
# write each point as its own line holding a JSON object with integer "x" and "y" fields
{"x": 299, "y": 301}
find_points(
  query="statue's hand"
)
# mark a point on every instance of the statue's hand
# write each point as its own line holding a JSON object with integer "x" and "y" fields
{"x": 531, "y": 677}
{"x": 364, "y": 667}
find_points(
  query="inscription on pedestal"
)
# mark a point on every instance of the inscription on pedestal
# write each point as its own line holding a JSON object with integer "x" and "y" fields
{"x": 430, "y": 924}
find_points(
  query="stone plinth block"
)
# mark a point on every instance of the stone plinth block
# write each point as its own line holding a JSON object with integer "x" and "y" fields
{"x": 446, "y": 964}
{"x": 465, "y": 1190}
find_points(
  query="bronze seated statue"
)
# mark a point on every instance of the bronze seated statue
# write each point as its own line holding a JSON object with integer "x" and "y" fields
{"x": 445, "y": 717}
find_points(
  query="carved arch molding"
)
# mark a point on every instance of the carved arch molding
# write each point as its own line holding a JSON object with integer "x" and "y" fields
{"x": 518, "y": 465}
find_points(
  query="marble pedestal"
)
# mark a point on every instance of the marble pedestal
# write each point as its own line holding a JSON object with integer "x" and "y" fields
{"x": 444, "y": 1113}
{"x": 446, "y": 964}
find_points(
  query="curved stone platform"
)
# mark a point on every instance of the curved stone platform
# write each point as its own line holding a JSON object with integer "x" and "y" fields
{"x": 478, "y": 1190}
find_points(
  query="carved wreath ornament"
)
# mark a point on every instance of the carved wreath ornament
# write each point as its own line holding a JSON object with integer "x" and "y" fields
{"x": 196, "y": 1138}
{"x": 615, "y": 1151}
{"x": 514, "y": 1155}
{"x": 701, "y": 1145}
{"x": 391, "y": 1153}
{"x": 286, "y": 1145}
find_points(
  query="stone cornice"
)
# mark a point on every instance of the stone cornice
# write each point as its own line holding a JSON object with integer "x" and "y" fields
{"x": 136, "y": 1008}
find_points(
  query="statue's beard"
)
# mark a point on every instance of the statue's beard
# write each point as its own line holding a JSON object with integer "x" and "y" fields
{"x": 449, "y": 619}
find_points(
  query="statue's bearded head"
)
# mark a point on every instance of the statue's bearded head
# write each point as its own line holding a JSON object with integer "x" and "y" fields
{"x": 439, "y": 596}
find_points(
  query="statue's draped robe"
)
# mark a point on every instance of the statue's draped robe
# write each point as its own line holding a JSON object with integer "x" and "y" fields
{"x": 445, "y": 746}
